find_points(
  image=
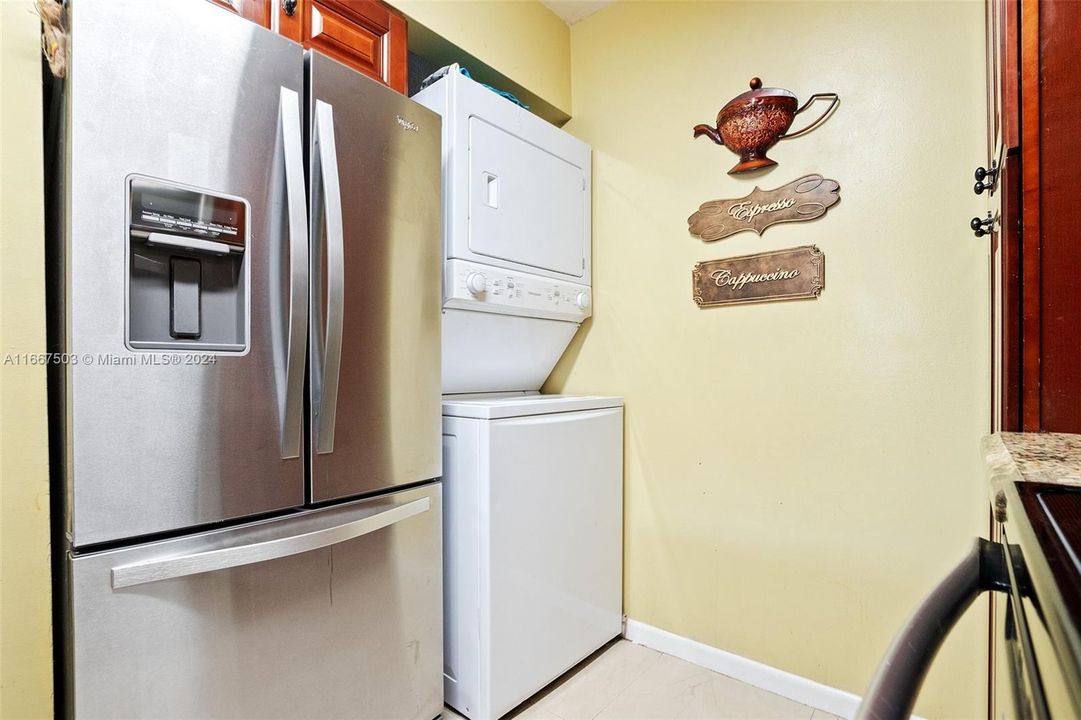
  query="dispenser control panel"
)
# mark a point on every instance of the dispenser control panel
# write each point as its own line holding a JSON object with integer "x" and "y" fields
{"x": 159, "y": 206}
{"x": 187, "y": 287}
{"x": 472, "y": 286}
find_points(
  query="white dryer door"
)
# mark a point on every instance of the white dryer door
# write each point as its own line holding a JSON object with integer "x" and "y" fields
{"x": 526, "y": 205}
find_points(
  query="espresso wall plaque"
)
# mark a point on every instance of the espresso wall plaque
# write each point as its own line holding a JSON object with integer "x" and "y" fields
{"x": 804, "y": 199}
{"x": 779, "y": 275}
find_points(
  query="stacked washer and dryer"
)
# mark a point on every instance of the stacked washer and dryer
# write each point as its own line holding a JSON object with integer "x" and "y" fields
{"x": 533, "y": 489}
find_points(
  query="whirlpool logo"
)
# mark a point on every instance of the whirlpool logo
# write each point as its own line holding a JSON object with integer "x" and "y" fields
{"x": 408, "y": 124}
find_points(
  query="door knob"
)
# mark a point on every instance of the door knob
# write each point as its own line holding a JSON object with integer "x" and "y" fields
{"x": 982, "y": 227}
{"x": 983, "y": 173}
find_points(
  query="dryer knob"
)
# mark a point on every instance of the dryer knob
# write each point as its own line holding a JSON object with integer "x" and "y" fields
{"x": 582, "y": 300}
{"x": 476, "y": 283}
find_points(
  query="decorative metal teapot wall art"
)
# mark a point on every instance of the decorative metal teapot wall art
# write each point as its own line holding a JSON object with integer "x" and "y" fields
{"x": 751, "y": 123}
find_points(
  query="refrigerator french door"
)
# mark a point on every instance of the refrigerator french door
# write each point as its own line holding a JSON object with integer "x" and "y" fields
{"x": 376, "y": 228}
{"x": 236, "y": 545}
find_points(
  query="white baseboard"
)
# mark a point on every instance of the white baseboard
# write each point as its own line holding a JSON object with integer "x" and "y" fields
{"x": 794, "y": 687}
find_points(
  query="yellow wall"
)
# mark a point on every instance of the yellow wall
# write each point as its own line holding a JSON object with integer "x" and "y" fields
{"x": 522, "y": 39}
{"x": 797, "y": 474}
{"x": 25, "y": 641}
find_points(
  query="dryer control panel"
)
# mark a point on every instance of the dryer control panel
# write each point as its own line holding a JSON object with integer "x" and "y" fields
{"x": 473, "y": 286}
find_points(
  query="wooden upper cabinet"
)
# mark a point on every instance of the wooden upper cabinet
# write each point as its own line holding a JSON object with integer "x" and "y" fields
{"x": 366, "y": 35}
{"x": 258, "y": 11}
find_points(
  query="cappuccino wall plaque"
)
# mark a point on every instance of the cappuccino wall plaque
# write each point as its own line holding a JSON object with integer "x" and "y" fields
{"x": 779, "y": 275}
{"x": 804, "y": 199}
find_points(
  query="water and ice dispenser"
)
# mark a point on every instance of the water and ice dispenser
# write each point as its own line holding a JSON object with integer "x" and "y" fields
{"x": 188, "y": 267}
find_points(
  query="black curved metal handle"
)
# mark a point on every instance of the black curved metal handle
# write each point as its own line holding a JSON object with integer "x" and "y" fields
{"x": 289, "y": 7}
{"x": 900, "y": 674}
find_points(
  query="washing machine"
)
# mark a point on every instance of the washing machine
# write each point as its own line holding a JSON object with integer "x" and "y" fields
{"x": 533, "y": 508}
{"x": 533, "y": 484}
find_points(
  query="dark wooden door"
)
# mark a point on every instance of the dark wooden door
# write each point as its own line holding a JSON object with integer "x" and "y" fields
{"x": 1034, "y": 70}
{"x": 1051, "y": 118}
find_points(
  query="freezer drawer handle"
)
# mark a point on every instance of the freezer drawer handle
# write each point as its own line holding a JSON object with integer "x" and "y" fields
{"x": 292, "y": 414}
{"x": 327, "y": 406}
{"x": 212, "y": 560}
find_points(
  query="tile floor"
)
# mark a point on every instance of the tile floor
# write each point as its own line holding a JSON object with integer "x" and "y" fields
{"x": 625, "y": 681}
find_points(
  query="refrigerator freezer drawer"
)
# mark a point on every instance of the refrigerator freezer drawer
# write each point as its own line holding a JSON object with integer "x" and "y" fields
{"x": 325, "y": 614}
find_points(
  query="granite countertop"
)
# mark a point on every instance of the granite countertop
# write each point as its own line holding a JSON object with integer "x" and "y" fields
{"x": 1035, "y": 457}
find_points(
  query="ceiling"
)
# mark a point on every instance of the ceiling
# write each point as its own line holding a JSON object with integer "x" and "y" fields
{"x": 574, "y": 10}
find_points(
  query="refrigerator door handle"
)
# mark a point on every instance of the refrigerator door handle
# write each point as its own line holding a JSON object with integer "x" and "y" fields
{"x": 126, "y": 576}
{"x": 292, "y": 414}
{"x": 326, "y": 409}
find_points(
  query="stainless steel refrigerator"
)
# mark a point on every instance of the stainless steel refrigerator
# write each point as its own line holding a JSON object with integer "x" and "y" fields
{"x": 247, "y": 415}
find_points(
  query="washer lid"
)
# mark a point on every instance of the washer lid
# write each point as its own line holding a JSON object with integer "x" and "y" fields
{"x": 504, "y": 407}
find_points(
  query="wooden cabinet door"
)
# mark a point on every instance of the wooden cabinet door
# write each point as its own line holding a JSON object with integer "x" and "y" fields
{"x": 258, "y": 11}
{"x": 366, "y": 35}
